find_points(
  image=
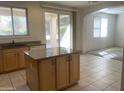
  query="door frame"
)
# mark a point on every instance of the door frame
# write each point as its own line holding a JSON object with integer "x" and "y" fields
{"x": 59, "y": 12}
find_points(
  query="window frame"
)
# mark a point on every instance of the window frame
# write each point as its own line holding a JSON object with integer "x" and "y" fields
{"x": 100, "y": 36}
{"x": 27, "y": 26}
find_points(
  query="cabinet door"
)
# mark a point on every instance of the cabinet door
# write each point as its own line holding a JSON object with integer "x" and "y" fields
{"x": 62, "y": 70}
{"x": 74, "y": 68}
{"x": 47, "y": 74}
{"x": 32, "y": 73}
{"x": 21, "y": 60}
{"x": 10, "y": 61}
{"x": 1, "y": 63}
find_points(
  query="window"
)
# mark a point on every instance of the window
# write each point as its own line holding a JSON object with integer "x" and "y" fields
{"x": 5, "y": 22}
{"x": 13, "y": 21}
{"x": 100, "y": 27}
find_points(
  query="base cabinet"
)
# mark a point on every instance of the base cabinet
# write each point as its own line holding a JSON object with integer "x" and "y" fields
{"x": 47, "y": 74}
{"x": 1, "y": 62}
{"x": 21, "y": 60}
{"x": 54, "y": 73}
{"x": 74, "y": 68}
{"x": 32, "y": 74}
{"x": 62, "y": 71}
{"x": 13, "y": 58}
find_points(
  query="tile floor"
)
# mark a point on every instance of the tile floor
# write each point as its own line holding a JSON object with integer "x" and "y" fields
{"x": 96, "y": 74}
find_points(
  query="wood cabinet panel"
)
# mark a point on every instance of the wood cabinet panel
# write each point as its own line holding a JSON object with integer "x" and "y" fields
{"x": 1, "y": 62}
{"x": 54, "y": 73}
{"x": 32, "y": 73}
{"x": 13, "y": 58}
{"x": 21, "y": 58}
{"x": 74, "y": 68}
{"x": 62, "y": 71}
{"x": 10, "y": 61}
{"x": 47, "y": 74}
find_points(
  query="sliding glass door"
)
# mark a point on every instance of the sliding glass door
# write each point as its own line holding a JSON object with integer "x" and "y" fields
{"x": 65, "y": 31}
{"x": 51, "y": 28}
{"x": 58, "y": 30}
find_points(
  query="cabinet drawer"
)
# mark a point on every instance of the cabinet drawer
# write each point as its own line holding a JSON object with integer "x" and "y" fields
{"x": 15, "y": 49}
{"x": 22, "y": 49}
{"x": 9, "y": 50}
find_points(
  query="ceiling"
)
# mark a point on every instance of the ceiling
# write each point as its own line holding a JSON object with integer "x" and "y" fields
{"x": 115, "y": 10}
{"x": 82, "y": 4}
{"x": 76, "y": 4}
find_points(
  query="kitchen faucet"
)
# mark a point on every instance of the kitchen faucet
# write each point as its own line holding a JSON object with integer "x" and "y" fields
{"x": 13, "y": 42}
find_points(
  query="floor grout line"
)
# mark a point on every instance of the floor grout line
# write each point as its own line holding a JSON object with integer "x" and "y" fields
{"x": 11, "y": 82}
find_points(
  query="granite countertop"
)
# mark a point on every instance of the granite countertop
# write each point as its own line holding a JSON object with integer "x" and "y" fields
{"x": 43, "y": 53}
{"x": 20, "y": 44}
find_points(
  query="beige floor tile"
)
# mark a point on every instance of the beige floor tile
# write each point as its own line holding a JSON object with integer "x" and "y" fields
{"x": 83, "y": 83}
{"x": 112, "y": 77}
{"x": 22, "y": 88}
{"x": 3, "y": 77}
{"x": 76, "y": 87}
{"x": 18, "y": 82}
{"x": 100, "y": 84}
{"x": 108, "y": 81}
{"x": 111, "y": 88}
{"x": 116, "y": 85}
{"x": 6, "y": 85}
{"x": 83, "y": 75}
{"x": 89, "y": 79}
{"x": 91, "y": 88}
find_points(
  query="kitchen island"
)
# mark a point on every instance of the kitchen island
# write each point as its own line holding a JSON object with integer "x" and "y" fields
{"x": 52, "y": 68}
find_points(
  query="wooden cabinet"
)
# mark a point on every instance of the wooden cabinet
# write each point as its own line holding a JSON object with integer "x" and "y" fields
{"x": 32, "y": 74}
{"x": 1, "y": 62}
{"x": 10, "y": 61}
{"x": 52, "y": 73}
{"x": 21, "y": 58}
{"x": 74, "y": 68}
{"x": 62, "y": 71}
{"x": 47, "y": 74}
{"x": 13, "y": 58}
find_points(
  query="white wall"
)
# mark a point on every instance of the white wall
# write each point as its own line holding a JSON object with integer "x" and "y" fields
{"x": 119, "y": 33}
{"x": 91, "y": 43}
{"x": 79, "y": 31}
{"x": 88, "y": 10}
